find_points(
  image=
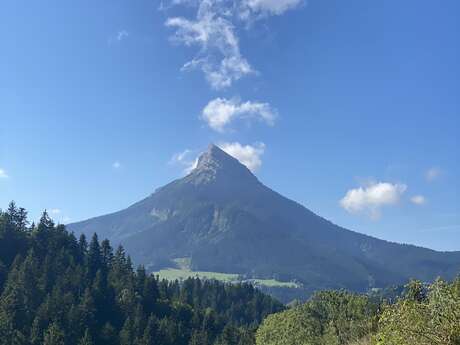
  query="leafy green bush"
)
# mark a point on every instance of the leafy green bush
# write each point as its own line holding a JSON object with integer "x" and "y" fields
{"x": 329, "y": 318}
{"x": 426, "y": 316}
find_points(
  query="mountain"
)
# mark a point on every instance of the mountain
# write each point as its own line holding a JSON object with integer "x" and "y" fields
{"x": 223, "y": 219}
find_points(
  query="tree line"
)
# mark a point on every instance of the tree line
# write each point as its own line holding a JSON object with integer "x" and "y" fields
{"x": 56, "y": 289}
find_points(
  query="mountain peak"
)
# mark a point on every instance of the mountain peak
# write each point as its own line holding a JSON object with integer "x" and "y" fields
{"x": 216, "y": 155}
{"x": 216, "y": 162}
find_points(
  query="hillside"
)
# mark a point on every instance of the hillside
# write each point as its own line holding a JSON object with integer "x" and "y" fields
{"x": 221, "y": 218}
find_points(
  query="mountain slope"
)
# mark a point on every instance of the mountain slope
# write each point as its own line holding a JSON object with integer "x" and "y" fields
{"x": 224, "y": 219}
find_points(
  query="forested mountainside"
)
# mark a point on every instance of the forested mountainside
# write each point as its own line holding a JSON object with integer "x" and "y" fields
{"x": 57, "y": 290}
{"x": 223, "y": 219}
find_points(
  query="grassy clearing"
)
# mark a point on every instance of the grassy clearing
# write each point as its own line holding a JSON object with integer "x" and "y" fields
{"x": 182, "y": 274}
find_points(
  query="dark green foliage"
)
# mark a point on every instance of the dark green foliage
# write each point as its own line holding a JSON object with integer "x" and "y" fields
{"x": 329, "y": 318}
{"x": 55, "y": 289}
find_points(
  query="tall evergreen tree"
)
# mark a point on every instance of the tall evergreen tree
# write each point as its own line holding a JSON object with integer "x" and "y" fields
{"x": 86, "y": 339}
{"x": 54, "y": 335}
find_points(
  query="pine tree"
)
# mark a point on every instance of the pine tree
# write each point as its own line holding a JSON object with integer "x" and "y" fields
{"x": 94, "y": 262}
{"x": 54, "y": 335}
{"x": 109, "y": 335}
{"x": 86, "y": 339}
{"x": 82, "y": 245}
{"x": 127, "y": 333}
{"x": 150, "y": 332}
{"x": 107, "y": 253}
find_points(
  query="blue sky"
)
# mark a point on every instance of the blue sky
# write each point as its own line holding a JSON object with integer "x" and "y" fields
{"x": 351, "y": 108}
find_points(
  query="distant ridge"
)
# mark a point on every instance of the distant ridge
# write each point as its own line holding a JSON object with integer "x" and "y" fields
{"x": 224, "y": 219}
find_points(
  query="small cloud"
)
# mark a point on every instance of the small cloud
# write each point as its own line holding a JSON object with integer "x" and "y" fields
{"x": 187, "y": 159}
{"x": 54, "y": 211}
{"x": 3, "y": 173}
{"x": 249, "y": 155}
{"x": 120, "y": 36}
{"x": 371, "y": 199}
{"x": 123, "y": 34}
{"x": 418, "y": 200}
{"x": 267, "y": 7}
{"x": 219, "y": 112}
{"x": 116, "y": 165}
{"x": 191, "y": 166}
{"x": 433, "y": 174}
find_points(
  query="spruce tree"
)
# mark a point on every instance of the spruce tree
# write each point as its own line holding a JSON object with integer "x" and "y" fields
{"x": 54, "y": 335}
{"x": 86, "y": 339}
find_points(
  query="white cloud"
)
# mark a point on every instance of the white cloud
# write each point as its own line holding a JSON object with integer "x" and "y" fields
{"x": 418, "y": 199}
{"x": 116, "y": 165}
{"x": 180, "y": 156}
{"x": 214, "y": 32}
{"x": 219, "y": 55}
{"x": 267, "y": 7}
{"x": 433, "y": 174}
{"x": 55, "y": 211}
{"x": 371, "y": 199}
{"x": 219, "y": 112}
{"x": 249, "y": 155}
{"x": 123, "y": 34}
{"x": 3, "y": 173}
{"x": 191, "y": 165}
{"x": 120, "y": 36}
{"x": 187, "y": 159}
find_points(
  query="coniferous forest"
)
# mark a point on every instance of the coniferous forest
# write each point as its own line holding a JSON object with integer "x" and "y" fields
{"x": 57, "y": 289}
{"x": 60, "y": 290}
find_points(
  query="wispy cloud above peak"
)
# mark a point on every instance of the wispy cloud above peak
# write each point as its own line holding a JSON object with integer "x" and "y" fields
{"x": 116, "y": 165}
{"x": 370, "y": 199}
{"x": 219, "y": 55}
{"x": 220, "y": 112}
{"x": 188, "y": 159}
{"x": 249, "y": 155}
{"x": 214, "y": 32}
